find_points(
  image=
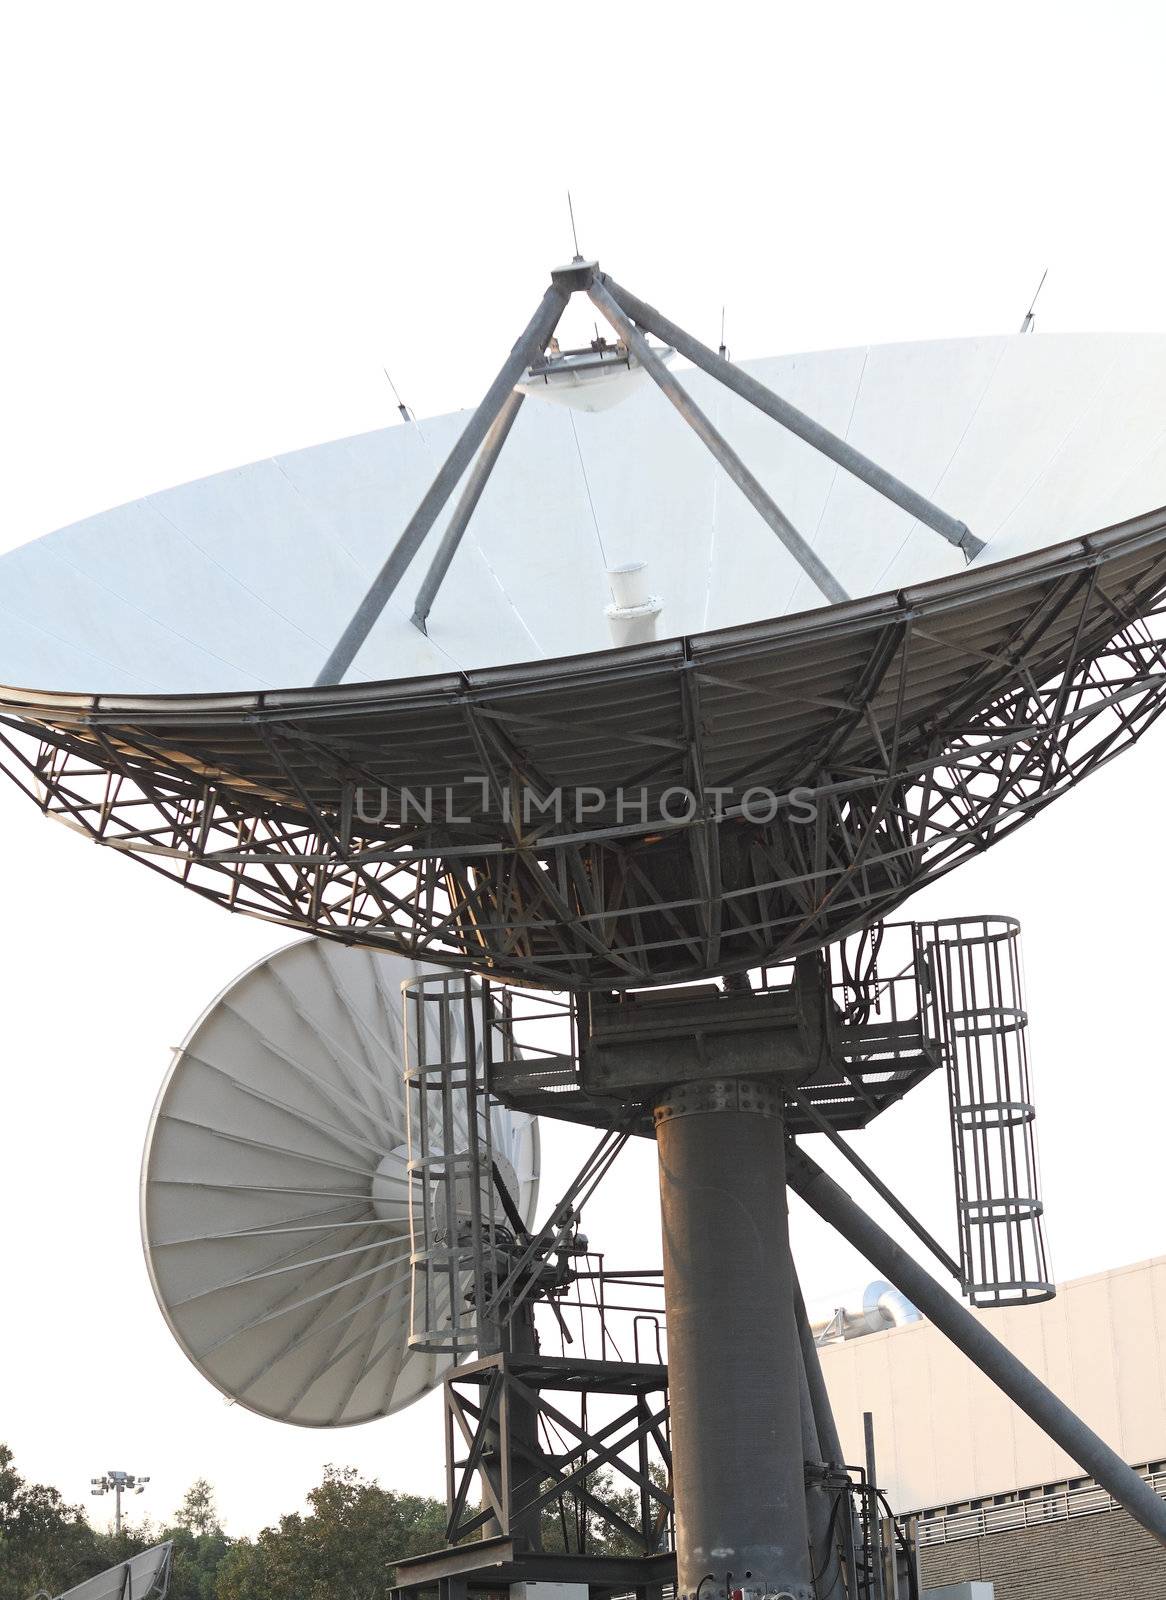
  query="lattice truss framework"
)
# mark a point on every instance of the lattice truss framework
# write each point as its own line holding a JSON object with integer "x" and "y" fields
{"x": 945, "y": 736}
{"x": 585, "y": 1452}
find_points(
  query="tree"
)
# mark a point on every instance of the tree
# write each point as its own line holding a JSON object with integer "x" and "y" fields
{"x": 569, "y": 1521}
{"x": 199, "y": 1544}
{"x": 44, "y": 1543}
{"x": 198, "y": 1513}
{"x": 111, "y": 1549}
{"x": 343, "y": 1549}
{"x": 195, "y": 1563}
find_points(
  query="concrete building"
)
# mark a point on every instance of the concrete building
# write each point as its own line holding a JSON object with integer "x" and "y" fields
{"x": 993, "y": 1497}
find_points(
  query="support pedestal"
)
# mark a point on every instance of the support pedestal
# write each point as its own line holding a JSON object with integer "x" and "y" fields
{"x": 732, "y": 1340}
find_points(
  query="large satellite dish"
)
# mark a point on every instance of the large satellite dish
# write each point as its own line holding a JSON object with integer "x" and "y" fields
{"x": 275, "y": 1194}
{"x": 887, "y": 604}
{"x": 478, "y": 777}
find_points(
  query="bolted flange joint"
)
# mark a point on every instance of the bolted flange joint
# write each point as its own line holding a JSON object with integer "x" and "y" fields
{"x": 719, "y": 1094}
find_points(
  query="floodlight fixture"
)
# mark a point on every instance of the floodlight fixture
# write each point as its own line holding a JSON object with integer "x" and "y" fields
{"x": 119, "y": 1483}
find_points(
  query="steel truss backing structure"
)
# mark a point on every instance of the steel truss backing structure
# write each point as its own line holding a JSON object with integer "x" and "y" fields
{"x": 789, "y": 781}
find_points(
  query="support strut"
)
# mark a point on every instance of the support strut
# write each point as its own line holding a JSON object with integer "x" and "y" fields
{"x": 829, "y": 444}
{"x": 530, "y": 345}
{"x": 466, "y": 506}
{"x": 815, "y": 568}
{"x": 1023, "y": 1387}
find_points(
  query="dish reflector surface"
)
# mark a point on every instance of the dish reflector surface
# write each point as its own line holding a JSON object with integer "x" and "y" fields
{"x": 275, "y": 1201}
{"x": 246, "y": 580}
{"x": 676, "y": 809}
{"x": 145, "y": 1576}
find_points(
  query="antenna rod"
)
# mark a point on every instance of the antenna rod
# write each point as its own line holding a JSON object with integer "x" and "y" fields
{"x": 970, "y": 1335}
{"x": 1029, "y": 318}
{"x": 530, "y": 345}
{"x": 574, "y": 235}
{"x": 401, "y": 406}
{"x": 810, "y": 563}
{"x": 466, "y": 506}
{"x": 830, "y": 445}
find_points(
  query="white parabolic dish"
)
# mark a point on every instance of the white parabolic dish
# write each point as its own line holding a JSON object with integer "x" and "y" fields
{"x": 145, "y": 1576}
{"x": 245, "y": 580}
{"x": 279, "y": 1266}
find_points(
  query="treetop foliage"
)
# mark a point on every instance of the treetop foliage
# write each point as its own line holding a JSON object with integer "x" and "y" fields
{"x": 342, "y": 1548}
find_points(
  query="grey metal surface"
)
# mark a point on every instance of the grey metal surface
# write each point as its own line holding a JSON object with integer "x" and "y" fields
{"x": 826, "y": 1572}
{"x": 848, "y": 1529}
{"x": 969, "y": 1334}
{"x": 733, "y": 1375}
{"x": 276, "y": 1197}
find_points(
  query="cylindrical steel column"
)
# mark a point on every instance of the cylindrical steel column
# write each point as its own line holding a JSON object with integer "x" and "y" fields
{"x": 733, "y": 1378}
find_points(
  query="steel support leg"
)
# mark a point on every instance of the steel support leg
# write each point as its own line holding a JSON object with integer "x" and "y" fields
{"x": 733, "y": 1374}
{"x": 531, "y": 344}
{"x": 761, "y": 502}
{"x": 829, "y": 444}
{"x": 823, "y": 1525}
{"x": 819, "y": 1397}
{"x": 835, "y": 1206}
{"x": 846, "y": 1529}
{"x": 466, "y": 506}
{"x": 525, "y": 1447}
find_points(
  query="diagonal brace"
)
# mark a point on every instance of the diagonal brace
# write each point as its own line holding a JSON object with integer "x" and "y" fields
{"x": 530, "y": 344}
{"x": 675, "y": 391}
{"x": 970, "y": 1335}
{"x": 466, "y": 506}
{"x": 823, "y": 1125}
{"x": 829, "y": 444}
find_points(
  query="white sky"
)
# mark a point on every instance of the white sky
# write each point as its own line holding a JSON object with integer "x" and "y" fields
{"x": 221, "y": 222}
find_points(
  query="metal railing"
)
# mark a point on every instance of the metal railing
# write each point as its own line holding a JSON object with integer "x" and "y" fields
{"x": 977, "y": 997}
{"x": 1086, "y": 1500}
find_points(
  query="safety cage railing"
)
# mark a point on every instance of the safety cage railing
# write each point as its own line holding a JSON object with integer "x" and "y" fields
{"x": 902, "y": 1000}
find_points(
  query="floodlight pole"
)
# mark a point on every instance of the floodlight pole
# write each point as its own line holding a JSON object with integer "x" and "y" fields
{"x": 119, "y": 1482}
{"x": 1023, "y": 1387}
{"x": 726, "y": 456}
{"x": 466, "y": 506}
{"x": 530, "y": 345}
{"x": 828, "y": 444}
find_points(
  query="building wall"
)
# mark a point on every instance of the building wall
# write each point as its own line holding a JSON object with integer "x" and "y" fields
{"x": 1103, "y": 1557}
{"x": 945, "y": 1434}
